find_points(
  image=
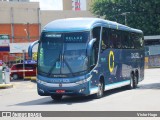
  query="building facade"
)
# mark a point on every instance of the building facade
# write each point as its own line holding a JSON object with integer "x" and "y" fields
{"x": 77, "y": 5}
{"x": 23, "y": 22}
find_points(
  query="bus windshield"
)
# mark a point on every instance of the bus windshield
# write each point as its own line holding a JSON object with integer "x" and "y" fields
{"x": 63, "y": 53}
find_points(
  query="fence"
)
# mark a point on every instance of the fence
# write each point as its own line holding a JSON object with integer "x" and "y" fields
{"x": 152, "y": 61}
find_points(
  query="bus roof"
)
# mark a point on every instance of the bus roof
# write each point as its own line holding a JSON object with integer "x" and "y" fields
{"x": 83, "y": 24}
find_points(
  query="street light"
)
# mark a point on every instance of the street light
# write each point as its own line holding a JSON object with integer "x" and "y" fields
{"x": 26, "y": 32}
{"x": 125, "y": 15}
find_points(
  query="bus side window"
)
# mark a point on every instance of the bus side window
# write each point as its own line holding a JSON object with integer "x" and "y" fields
{"x": 96, "y": 34}
{"x": 105, "y": 42}
{"x": 115, "y": 39}
{"x": 125, "y": 40}
{"x": 138, "y": 41}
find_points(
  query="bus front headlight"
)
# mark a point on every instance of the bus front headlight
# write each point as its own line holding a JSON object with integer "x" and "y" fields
{"x": 84, "y": 81}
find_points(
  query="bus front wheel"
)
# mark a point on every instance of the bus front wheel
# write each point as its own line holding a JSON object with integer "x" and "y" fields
{"x": 100, "y": 92}
{"x": 56, "y": 97}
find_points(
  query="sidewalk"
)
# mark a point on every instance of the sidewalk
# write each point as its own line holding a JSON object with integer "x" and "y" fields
{"x": 3, "y": 86}
{"x": 2, "y": 82}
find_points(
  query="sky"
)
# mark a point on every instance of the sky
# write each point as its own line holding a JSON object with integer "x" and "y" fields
{"x": 49, "y": 4}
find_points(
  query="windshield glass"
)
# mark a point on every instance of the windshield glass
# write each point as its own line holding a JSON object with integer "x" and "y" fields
{"x": 63, "y": 53}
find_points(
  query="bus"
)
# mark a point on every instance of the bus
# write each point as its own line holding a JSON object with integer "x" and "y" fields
{"x": 87, "y": 56}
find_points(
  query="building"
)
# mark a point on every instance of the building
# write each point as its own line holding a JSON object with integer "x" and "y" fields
{"x": 23, "y": 22}
{"x": 152, "y": 45}
{"x": 152, "y": 51}
{"x": 67, "y": 5}
{"x": 77, "y": 5}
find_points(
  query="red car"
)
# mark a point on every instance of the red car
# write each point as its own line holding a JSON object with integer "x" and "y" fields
{"x": 17, "y": 70}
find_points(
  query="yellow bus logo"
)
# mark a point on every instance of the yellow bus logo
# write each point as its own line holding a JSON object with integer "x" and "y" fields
{"x": 111, "y": 65}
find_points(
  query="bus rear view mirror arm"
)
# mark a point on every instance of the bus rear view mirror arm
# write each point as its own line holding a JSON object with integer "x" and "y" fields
{"x": 31, "y": 47}
{"x": 90, "y": 46}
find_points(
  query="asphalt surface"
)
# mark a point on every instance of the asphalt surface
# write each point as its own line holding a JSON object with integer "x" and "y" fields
{"x": 23, "y": 97}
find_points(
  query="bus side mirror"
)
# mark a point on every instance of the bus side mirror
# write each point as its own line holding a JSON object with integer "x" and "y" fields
{"x": 31, "y": 47}
{"x": 90, "y": 46}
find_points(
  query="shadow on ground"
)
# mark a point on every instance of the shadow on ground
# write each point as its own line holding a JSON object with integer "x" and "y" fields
{"x": 154, "y": 86}
{"x": 83, "y": 99}
{"x": 68, "y": 100}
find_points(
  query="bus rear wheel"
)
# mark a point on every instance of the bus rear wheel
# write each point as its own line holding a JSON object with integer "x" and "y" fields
{"x": 56, "y": 97}
{"x": 136, "y": 80}
{"x": 133, "y": 81}
{"x": 100, "y": 92}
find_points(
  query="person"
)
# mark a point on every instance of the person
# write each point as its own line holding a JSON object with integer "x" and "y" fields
{"x": 3, "y": 66}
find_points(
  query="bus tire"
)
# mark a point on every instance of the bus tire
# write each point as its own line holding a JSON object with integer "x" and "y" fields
{"x": 56, "y": 97}
{"x": 15, "y": 76}
{"x": 100, "y": 92}
{"x": 133, "y": 81}
{"x": 136, "y": 80}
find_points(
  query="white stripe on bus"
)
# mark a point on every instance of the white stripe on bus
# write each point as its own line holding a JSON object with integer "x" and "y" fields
{"x": 21, "y": 70}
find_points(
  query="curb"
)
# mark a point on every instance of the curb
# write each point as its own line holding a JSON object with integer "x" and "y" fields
{"x": 3, "y": 86}
{"x": 33, "y": 79}
{"x": 30, "y": 78}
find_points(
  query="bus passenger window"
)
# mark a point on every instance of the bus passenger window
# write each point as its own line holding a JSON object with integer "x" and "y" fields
{"x": 105, "y": 43}
{"x": 125, "y": 40}
{"x": 115, "y": 41}
{"x": 138, "y": 40}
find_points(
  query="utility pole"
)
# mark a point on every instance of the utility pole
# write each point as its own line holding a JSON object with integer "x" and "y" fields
{"x": 125, "y": 16}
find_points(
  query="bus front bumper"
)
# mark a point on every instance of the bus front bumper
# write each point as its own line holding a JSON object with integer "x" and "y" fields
{"x": 77, "y": 89}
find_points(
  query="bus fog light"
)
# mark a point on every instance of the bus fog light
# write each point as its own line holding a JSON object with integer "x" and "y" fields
{"x": 84, "y": 81}
{"x": 82, "y": 90}
{"x": 41, "y": 90}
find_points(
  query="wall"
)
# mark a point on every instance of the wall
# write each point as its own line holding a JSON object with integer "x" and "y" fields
{"x": 20, "y": 20}
{"x": 23, "y": 21}
{"x": 22, "y": 32}
{"x": 67, "y": 4}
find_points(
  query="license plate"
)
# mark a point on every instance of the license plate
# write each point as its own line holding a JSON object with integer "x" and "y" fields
{"x": 60, "y": 91}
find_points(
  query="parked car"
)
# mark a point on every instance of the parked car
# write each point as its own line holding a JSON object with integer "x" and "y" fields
{"x": 17, "y": 70}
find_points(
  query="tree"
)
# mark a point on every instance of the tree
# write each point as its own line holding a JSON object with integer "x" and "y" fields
{"x": 140, "y": 14}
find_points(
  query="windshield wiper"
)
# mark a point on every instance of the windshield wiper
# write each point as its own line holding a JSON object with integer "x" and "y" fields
{"x": 54, "y": 63}
{"x": 69, "y": 67}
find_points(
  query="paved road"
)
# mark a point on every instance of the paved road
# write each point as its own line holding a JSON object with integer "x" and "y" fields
{"x": 146, "y": 97}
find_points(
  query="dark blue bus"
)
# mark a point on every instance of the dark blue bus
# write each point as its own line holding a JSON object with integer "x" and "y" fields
{"x": 84, "y": 56}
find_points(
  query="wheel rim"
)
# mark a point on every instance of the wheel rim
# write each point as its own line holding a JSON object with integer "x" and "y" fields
{"x": 135, "y": 81}
{"x": 132, "y": 82}
{"x": 100, "y": 89}
{"x": 15, "y": 76}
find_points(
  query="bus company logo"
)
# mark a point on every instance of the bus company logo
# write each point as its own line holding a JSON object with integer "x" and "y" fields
{"x": 60, "y": 80}
{"x": 135, "y": 55}
{"x": 111, "y": 61}
{"x": 61, "y": 76}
